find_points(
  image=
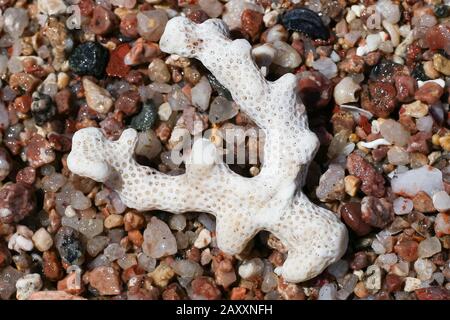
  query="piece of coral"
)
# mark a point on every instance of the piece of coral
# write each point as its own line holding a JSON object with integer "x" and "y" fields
{"x": 273, "y": 201}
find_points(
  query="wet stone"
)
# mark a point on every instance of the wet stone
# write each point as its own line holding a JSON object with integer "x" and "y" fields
{"x": 89, "y": 58}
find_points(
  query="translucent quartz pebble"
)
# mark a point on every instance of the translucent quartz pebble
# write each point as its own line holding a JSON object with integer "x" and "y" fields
{"x": 187, "y": 268}
{"x": 222, "y": 109}
{"x": 15, "y": 20}
{"x": 177, "y": 222}
{"x": 95, "y": 245}
{"x": 147, "y": 263}
{"x": 114, "y": 251}
{"x": 177, "y": 99}
{"x": 328, "y": 292}
{"x": 158, "y": 239}
{"x": 201, "y": 93}
{"x": 53, "y": 182}
{"x": 79, "y": 201}
{"x": 151, "y": 24}
{"x": 426, "y": 178}
{"x": 251, "y": 268}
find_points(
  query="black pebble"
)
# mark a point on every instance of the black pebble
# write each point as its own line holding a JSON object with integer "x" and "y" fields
{"x": 42, "y": 108}
{"x": 306, "y": 21}
{"x": 89, "y": 58}
{"x": 145, "y": 119}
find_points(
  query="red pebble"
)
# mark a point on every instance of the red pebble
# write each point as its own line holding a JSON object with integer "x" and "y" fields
{"x": 116, "y": 66}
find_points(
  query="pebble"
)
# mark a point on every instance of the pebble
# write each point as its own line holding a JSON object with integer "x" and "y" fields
{"x": 128, "y": 102}
{"x": 162, "y": 275}
{"x": 398, "y": 156}
{"x": 328, "y": 292}
{"x": 141, "y": 52}
{"x": 148, "y": 144}
{"x": 286, "y": 56}
{"x": 351, "y": 185}
{"x": 326, "y": 66}
{"x": 17, "y": 201}
{"x": 116, "y": 66}
{"x": 42, "y": 240}
{"x": 147, "y": 263}
{"x": 345, "y": 90}
{"x": 402, "y": 206}
{"x": 424, "y": 269}
{"x": 407, "y": 250}
{"x": 251, "y": 268}
{"x": 28, "y": 284}
{"x": 96, "y": 245}
{"x": 158, "y": 239}
{"x": 177, "y": 222}
{"x": 146, "y": 118}
{"x": 201, "y": 94}
{"x": 97, "y": 98}
{"x": 394, "y": 132}
{"x": 151, "y": 24}
{"x": 412, "y": 284}
{"x": 373, "y": 279}
{"x": 233, "y": 11}
{"x": 432, "y": 293}
{"x": 89, "y": 58}
{"x": 114, "y": 252}
{"x": 39, "y": 151}
{"x": 165, "y": 111}
{"x": 422, "y": 202}
{"x": 338, "y": 269}
{"x": 331, "y": 185}
{"x": 19, "y": 242}
{"x": 177, "y": 99}
{"x": 441, "y": 201}
{"x": 429, "y": 247}
{"x": 379, "y": 98}
{"x": 51, "y": 7}
{"x": 441, "y": 64}
{"x": 52, "y": 266}
{"x": 393, "y": 282}
{"x": 427, "y": 179}
{"x": 69, "y": 246}
{"x": 113, "y": 221}
{"x": 429, "y": 93}
{"x": 158, "y": 71}
{"x": 372, "y": 181}
{"x": 442, "y": 224}
{"x": 222, "y": 109}
{"x": 105, "y": 280}
{"x": 251, "y": 22}
{"x": 351, "y": 214}
{"x": 204, "y": 288}
{"x": 15, "y": 20}
{"x": 187, "y": 268}
{"x": 212, "y": 8}
{"x": 8, "y": 280}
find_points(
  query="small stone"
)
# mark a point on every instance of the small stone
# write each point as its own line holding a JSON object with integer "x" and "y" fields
{"x": 42, "y": 240}
{"x": 158, "y": 239}
{"x": 52, "y": 268}
{"x": 63, "y": 100}
{"x": 27, "y": 285}
{"x": 201, "y": 94}
{"x": 426, "y": 178}
{"x": 89, "y": 58}
{"x": 393, "y": 282}
{"x": 204, "y": 288}
{"x": 79, "y": 201}
{"x": 251, "y": 22}
{"x": 158, "y": 71}
{"x": 423, "y": 203}
{"x": 351, "y": 214}
{"x": 116, "y": 65}
{"x": 53, "y": 295}
{"x": 432, "y": 293}
{"x": 69, "y": 246}
{"x": 142, "y": 51}
{"x": 147, "y": 263}
{"x": 429, "y": 247}
{"x": 17, "y": 201}
{"x": 328, "y": 292}
{"x": 145, "y": 119}
{"x": 128, "y": 102}
{"x": 102, "y": 21}
{"x": 402, "y": 206}
{"x": 114, "y": 251}
{"x": 412, "y": 284}
{"x": 379, "y": 98}
{"x": 212, "y": 8}
{"x": 205, "y": 257}
{"x": 151, "y": 24}
{"x": 15, "y": 20}
{"x": 441, "y": 64}
{"x": 51, "y": 7}
{"x": 326, "y": 66}
{"x": 187, "y": 268}
{"x": 39, "y": 151}
{"x": 222, "y": 109}
{"x": 133, "y": 220}
{"x": 441, "y": 201}
{"x": 394, "y": 132}
{"x": 407, "y": 250}
{"x": 398, "y": 156}
{"x": 164, "y": 111}
{"x": 416, "y": 109}
{"x": 344, "y": 91}
{"x": 372, "y": 181}
{"x": 331, "y": 185}
{"x": 442, "y": 224}
{"x": 162, "y": 275}
{"x": 251, "y": 268}
{"x": 373, "y": 280}
{"x": 96, "y": 245}
{"x": 106, "y": 280}
{"x": 424, "y": 269}
{"x": 286, "y": 56}
{"x": 97, "y": 98}
{"x": 445, "y": 142}
{"x": 177, "y": 222}
{"x": 429, "y": 93}
{"x": 338, "y": 269}
{"x": 113, "y": 221}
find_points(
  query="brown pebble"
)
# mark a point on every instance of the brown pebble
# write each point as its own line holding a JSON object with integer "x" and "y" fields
{"x": 128, "y": 26}
{"x": 423, "y": 202}
{"x": 102, "y": 21}
{"x": 351, "y": 214}
{"x": 429, "y": 93}
{"x": 342, "y": 120}
{"x": 136, "y": 237}
{"x": 128, "y": 102}
{"x": 379, "y": 98}
{"x": 433, "y": 293}
{"x": 51, "y": 265}
{"x": 63, "y": 101}
{"x": 105, "y": 280}
{"x": 198, "y": 16}
{"x": 407, "y": 250}
{"x": 393, "y": 282}
{"x": 23, "y": 103}
{"x": 26, "y": 175}
{"x": 174, "y": 292}
{"x": 39, "y": 151}
{"x": 133, "y": 220}
{"x": 376, "y": 212}
{"x": 205, "y": 288}
{"x": 405, "y": 86}
{"x": 372, "y": 181}
{"x": 251, "y": 22}
{"x": 359, "y": 261}
{"x": 17, "y": 200}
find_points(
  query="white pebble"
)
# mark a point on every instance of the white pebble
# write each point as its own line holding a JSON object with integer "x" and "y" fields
{"x": 344, "y": 91}
{"x": 27, "y": 285}
{"x": 402, "y": 206}
{"x": 441, "y": 201}
{"x": 164, "y": 111}
{"x": 203, "y": 239}
{"x": 42, "y": 240}
{"x": 411, "y": 284}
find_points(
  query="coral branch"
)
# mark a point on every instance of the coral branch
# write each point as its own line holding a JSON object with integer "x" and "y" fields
{"x": 270, "y": 201}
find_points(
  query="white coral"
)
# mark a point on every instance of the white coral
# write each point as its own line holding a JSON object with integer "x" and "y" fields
{"x": 272, "y": 200}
